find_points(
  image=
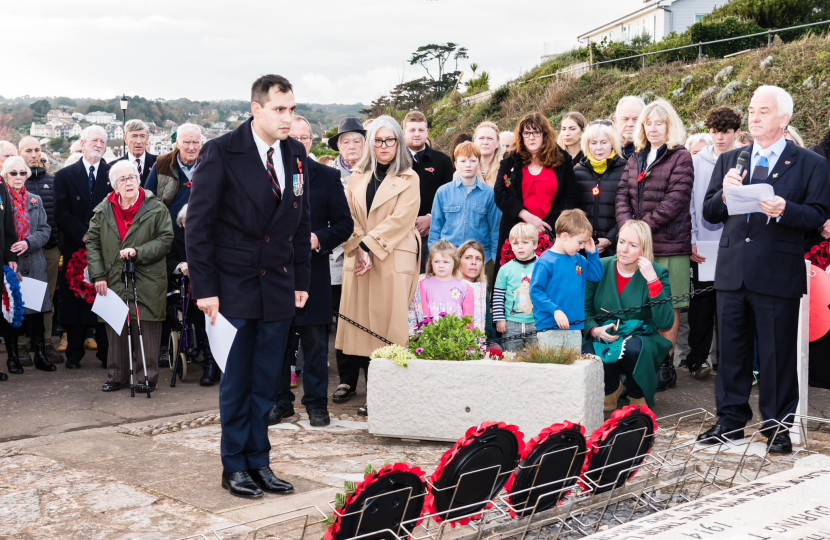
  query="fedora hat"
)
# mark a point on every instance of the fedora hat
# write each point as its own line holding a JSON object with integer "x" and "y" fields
{"x": 350, "y": 124}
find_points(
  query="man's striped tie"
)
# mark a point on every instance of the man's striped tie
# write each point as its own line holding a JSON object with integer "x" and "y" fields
{"x": 272, "y": 172}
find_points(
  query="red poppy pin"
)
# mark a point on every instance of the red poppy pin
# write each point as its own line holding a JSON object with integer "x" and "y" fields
{"x": 430, "y": 169}
{"x": 786, "y": 163}
{"x": 300, "y": 166}
{"x": 506, "y": 181}
{"x": 643, "y": 176}
{"x": 189, "y": 184}
{"x": 33, "y": 201}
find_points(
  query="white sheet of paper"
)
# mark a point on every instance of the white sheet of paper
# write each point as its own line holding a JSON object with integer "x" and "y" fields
{"x": 112, "y": 309}
{"x": 221, "y": 337}
{"x": 33, "y": 292}
{"x": 744, "y": 199}
{"x": 709, "y": 251}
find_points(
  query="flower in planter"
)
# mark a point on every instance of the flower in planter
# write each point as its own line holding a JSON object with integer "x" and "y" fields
{"x": 396, "y": 353}
{"x": 419, "y": 350}
{"x": 447, "y": 338}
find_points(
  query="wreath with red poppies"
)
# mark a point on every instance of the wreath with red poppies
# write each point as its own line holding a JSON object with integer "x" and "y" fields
{"x": 507, "y": 252}
{"x": 599, "y": 438}
{"x": 430, "y": 506}
{"x": 76, "y": 279}
{"x": 343, "y": 502}
{"x": 819, "y": 255}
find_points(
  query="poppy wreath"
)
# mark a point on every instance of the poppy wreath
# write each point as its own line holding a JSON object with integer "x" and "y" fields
{"x": 342, "y": 502}
{"x": 819, "y": 255}
{"x": 75, "y": 277}
{"x": 469, "y": 437}
{"x": 507, "y": 252}
{"x": 12, "y": 298}
{"x": 598, "y": 437}
{"x": 531, "y": 446}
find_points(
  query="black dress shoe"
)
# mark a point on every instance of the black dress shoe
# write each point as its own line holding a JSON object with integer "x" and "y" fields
{"x": 700, "y": 371}
{"x": 278, "y": 413}
{"x": 3, "y": 376}
{"x": 212, "y": 372}
{"x": 268, "y": 481}
{"x": 240, "y": 484}
{"x": 363, "y": 410}
{"x": 717, "y": 434}
{"x": 73, "y": 364}
{"x": 112, "y": 386}
{"x": 667, "y": 376}
{"x": 14, "y": 366}
{"x": 319, "y": 417}
{"x": 780, "y": 444}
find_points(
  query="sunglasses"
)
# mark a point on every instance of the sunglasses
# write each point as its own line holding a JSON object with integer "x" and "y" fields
{"x": 16, "y": 173}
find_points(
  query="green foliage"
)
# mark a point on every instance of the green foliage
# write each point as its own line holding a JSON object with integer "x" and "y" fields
{"x": 439, "y": 53}
{"x": 448, "y": 338}
{"x": 320, "y": 149}
{"x": 774, "y": 13}
{"x": 701, "y": 32}
{"x": 479, "y": 84}
{"x": 40, "y": 106}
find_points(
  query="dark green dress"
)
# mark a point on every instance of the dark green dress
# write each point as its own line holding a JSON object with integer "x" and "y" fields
{"x": 603, "y": 295}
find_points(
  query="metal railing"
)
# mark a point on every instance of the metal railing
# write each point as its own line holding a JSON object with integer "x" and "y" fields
{"x": 700, "y": 47}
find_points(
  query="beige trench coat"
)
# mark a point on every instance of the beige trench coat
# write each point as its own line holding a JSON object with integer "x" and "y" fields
{"x": 379, "y": 299}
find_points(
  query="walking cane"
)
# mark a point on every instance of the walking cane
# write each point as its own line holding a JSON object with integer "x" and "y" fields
{"x": 129, "y": 328}
{"x": 185, "y": 304}
{"x": 131, "y": 267}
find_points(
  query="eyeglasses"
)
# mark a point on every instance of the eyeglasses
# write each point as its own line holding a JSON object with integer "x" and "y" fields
{"x": 390, "y": 142}
{"x": 16, "y": 173}
{"x": 304, "y": 138}
{"x": 131, "y": 178}
{"x": 600, "y": 122}
{"x": 531, "y": 134}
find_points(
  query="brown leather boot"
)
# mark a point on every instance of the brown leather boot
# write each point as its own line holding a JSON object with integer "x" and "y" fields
{"x": 611, "y": 399}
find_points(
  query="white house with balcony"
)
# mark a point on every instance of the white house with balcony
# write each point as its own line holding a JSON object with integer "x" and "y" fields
{"x": 657, "y": 18}
{"x": 100, "y": 117}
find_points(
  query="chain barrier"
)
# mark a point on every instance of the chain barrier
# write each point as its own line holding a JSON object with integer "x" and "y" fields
{"x": 524, "y": 335}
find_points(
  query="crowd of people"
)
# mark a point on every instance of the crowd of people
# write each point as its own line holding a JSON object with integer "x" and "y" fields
{"x": 526, "y": 231}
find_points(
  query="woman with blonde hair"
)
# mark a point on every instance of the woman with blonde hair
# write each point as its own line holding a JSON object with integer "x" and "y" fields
{"x": 656, "y": 187}
{"x": 630, "y": 344}
{"x": 792, "y": 134}
{"x": 486, "y": 137}
{"x": 570, "y": 135}
{"x": 597, "y": 177}
{"x": 380, "y": 271}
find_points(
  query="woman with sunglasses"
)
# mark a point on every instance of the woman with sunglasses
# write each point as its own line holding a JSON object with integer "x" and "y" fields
{"x": 535, "y": 182}
{"x": 30, "y": 232}
{"x": 597, "y": 178}
{"x": 380, "y": 270}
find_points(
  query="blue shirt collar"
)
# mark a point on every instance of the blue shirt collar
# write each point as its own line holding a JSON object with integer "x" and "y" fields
{"x": 777, "y": 147}
{"x": 479, "y": 184}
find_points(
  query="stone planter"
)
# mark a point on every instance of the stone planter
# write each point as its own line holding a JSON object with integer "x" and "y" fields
{"x": 439, "y": 400}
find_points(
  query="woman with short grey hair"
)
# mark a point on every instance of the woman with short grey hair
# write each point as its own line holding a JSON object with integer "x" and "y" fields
{"x": 32, "y": 232}
{"x": 382, "y": 255}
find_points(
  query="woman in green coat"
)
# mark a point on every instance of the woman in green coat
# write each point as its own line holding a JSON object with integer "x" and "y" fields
{"x": 629, "y": 344}
{"x": 131, "y": 222}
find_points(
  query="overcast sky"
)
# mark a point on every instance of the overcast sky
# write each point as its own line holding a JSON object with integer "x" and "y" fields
{"x": 332, "y": 51}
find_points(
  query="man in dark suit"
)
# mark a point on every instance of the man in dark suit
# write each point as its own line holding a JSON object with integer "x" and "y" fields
{"x": 137, "y": 137}
{"x": 434, "y": 169}
{"x": 760, "y": 275}
{"x": 331, "y": 225}
{"x": 79, "y": 188}
{"x": 248, "y": 242}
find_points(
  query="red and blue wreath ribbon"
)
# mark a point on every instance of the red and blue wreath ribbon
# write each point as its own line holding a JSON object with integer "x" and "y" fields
{"x": 13, "y": 309}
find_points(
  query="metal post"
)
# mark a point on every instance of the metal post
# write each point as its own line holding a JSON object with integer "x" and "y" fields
{"x": 700, "y": 50}
{"x": 124, "y": 128}
{"x": 644, "y": 61}
{"x": 769, "y": 39}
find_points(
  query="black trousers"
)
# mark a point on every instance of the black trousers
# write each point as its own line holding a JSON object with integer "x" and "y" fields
{"x": 702, "y": 310}
{"x": 349, "y": 366}
{"x": 314, "y": 341}
{"x": 75, "y": 335}
{"x": 33, "y": 327}
{"x": 742, "y": 316}
{"x": 623, "y": 366}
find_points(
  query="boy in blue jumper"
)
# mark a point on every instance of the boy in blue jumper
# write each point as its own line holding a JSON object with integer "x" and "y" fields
{"x": 557, "y": 288}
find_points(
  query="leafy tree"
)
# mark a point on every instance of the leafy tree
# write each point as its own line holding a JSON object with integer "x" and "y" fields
{"x": 774, "y": 13}
{"x": 41, "y": 106}
{"x": 440, "y": 53}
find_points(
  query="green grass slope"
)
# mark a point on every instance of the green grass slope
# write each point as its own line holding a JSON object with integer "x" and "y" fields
{"x": 801, "y": 67}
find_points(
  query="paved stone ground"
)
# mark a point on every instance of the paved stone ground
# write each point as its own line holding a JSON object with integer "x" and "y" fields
{"x": 70, "y": 469}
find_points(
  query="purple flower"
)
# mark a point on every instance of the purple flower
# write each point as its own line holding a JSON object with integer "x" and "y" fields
{"x": 419, "y": 350}
{"x": 415, "y": 338}
{"x": 442, "y": 314}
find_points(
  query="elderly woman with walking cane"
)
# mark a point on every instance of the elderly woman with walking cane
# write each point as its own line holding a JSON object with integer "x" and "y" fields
{"x": 131, "y": 225}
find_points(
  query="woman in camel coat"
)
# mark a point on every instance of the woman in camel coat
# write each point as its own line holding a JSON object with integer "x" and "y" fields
{"x": 381, "y": 264}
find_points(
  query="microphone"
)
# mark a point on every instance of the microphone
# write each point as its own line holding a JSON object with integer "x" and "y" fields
{"x": 743, "y": 162}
